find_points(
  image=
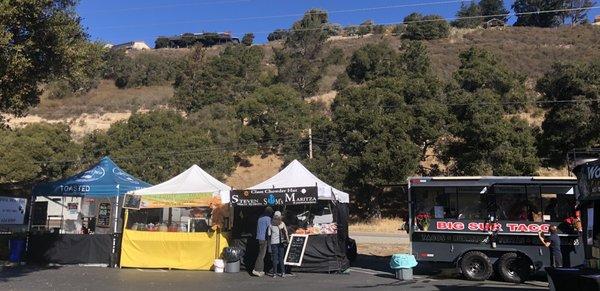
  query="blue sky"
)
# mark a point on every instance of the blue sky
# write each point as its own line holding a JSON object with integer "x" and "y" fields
{"x": 118, "y": 21}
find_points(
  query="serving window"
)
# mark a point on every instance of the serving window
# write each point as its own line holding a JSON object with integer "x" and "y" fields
{"x": 534, "y": 203}
{"x": 450, "y": 202}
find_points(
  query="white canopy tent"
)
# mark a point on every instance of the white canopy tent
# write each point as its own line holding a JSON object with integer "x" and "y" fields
{"x": 296, "y": 175}
{"x": 192, "y": 180}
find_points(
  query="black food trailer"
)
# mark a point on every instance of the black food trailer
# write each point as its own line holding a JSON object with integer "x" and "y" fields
{"x": 487, "y": 225}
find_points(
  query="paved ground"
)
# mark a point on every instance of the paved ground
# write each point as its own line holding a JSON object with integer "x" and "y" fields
{"x": 370, "y": 273}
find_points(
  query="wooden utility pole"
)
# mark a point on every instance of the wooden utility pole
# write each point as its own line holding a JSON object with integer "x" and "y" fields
{"x": 310, "y": 150}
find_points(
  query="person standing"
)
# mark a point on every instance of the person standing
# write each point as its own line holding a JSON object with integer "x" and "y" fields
{"x": 261, "y": 235}
{"x": 554, "y": 244}
{"x": 278, "y": 237}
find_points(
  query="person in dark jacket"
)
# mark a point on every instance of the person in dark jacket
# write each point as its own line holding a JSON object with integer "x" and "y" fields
{"x": 553, "y": 243}
{"x": 264, "y": 221}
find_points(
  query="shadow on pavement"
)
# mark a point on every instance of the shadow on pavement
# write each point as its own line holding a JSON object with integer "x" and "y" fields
{"x": 8, "y": 273}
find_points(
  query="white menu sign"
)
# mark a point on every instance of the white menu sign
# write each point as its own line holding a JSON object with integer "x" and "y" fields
{"x": 12, "y": 210}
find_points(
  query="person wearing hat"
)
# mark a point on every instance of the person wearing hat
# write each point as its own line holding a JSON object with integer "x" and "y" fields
{"x": 261, "y": 235}
{"x": 278, "y": 239}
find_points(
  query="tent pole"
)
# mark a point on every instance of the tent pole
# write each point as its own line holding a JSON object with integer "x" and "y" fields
{"x": 116, "y": 221}
{"x": 29, "y": 222}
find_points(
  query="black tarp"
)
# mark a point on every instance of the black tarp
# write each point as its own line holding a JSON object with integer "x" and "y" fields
{"x": 322, "y": 255}
{"x": 71, "y": 248}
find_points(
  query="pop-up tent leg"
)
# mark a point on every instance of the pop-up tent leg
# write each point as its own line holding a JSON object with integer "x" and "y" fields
{"x": 114, "y": 236}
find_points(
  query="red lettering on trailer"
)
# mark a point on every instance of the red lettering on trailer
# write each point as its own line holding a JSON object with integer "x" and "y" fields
{"x": 449, "y": 225}
{"x": 522, "y": 227}
{"x": 512, "y": 226}
{"x": 481, "y": 226}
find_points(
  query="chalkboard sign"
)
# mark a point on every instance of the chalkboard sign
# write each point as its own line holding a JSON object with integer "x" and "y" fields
{"x": 295, "y": 249}
{"x": 103, "y": 215}
{"x": 132, "y": 201}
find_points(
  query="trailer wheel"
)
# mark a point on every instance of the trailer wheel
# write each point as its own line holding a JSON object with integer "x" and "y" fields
{"x": 476, "y": 266}
{"x": 512, "y": 268}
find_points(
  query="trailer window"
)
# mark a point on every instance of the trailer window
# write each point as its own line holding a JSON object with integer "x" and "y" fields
{"x": 517, "y": 203}
{"x": 471, "y": 203}
{"x": 437, "y": 202}
{"x": 558, "y": 202}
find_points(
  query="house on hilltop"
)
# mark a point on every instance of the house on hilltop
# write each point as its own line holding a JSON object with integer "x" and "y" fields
{"x": 132, "y": 45}
{"x": 597, "y": 20}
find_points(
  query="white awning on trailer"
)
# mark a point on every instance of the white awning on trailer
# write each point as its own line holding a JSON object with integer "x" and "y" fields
{"x": 296, "y": 175}
{"x": 192, "y": 180}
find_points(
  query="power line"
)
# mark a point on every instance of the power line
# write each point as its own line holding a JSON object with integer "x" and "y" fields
{"x": 286, "y": 15}
{"x": 139, "y": 8}
{"x": 452, "y": 18}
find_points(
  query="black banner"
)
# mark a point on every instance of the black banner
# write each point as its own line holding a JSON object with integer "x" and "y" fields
{"x": 274, "y": 196}
{"x": 71, "y": 248}
{"x": 589, "y": 180}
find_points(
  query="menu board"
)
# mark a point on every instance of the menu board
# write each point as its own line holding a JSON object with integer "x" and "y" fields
{"x": 295, "y": 250}
{"x": 103, "y": 215}
{"x": 132, "y": 201}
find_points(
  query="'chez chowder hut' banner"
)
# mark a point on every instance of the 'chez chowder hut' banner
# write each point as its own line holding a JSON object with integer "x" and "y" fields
{"x": 274, "y": 196}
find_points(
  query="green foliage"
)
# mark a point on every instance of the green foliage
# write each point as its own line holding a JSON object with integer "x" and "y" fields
{"x": 547, "y": 19}
{"x": 277, "y": 34}
{"x": 37, "y": 152}
{"x": 493, "y": 8}
{"x": 84, "y": 75}
{"x": 419, "y": 27}
{"x": 162, "y": 42}
{"x": 248, "y": 39}
{"x": 300, "y": 62}
{"x": 142, "y": 69}
{"x": 372, "y": 126}
{"x": 373, "y": 61}
{"x": 572, "y": 122}
{"x": 468, "y": 16}
{"x": 224, "y": 79}
{"x": 484, "y": 142}
{"x": 273, "y": 116}
{"x": 366, "y": 27}
{"x": 480, "y": 69}
{"x": 38, "y": 42}
{"x": 578, "y": 14}
{"x": 379, "y": 29}
{"x": 342, "y": 81}
{"x": 334, "y": 57}
{"x": 158, "y": 145}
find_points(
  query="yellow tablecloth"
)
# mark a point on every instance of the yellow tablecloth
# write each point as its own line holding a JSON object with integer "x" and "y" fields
{"x": 174, "y": 250}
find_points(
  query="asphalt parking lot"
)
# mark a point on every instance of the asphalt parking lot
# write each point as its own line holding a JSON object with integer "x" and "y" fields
{"x": 359, "y": 278}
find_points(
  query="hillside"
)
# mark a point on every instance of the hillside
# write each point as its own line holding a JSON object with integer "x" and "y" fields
{"x": 530, "y": 51}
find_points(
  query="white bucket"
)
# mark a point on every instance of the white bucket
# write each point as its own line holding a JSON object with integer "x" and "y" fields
{"x": 219, "y": 265}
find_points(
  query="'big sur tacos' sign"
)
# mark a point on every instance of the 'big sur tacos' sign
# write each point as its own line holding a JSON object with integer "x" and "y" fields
{"x": 274, "y": 196}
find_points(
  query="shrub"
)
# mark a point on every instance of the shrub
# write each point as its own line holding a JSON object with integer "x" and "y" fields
{"x": 419, "y": 27}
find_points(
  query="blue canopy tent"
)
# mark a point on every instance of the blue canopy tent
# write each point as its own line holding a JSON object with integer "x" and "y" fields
{"x": 104, "y": 181}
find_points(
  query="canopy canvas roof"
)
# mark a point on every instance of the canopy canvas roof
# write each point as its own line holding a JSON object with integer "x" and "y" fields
{"x": 104, "y": 179}
{"x": 296, "y": 175}
{"x": 185, "y": 189}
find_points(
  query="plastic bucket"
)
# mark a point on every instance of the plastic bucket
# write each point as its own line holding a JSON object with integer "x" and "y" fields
{"x": 232, "y": 267}
{"x": 16, "y": 248}
{"x": 219, "y": 265}
{"x": 404, "y": 274}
